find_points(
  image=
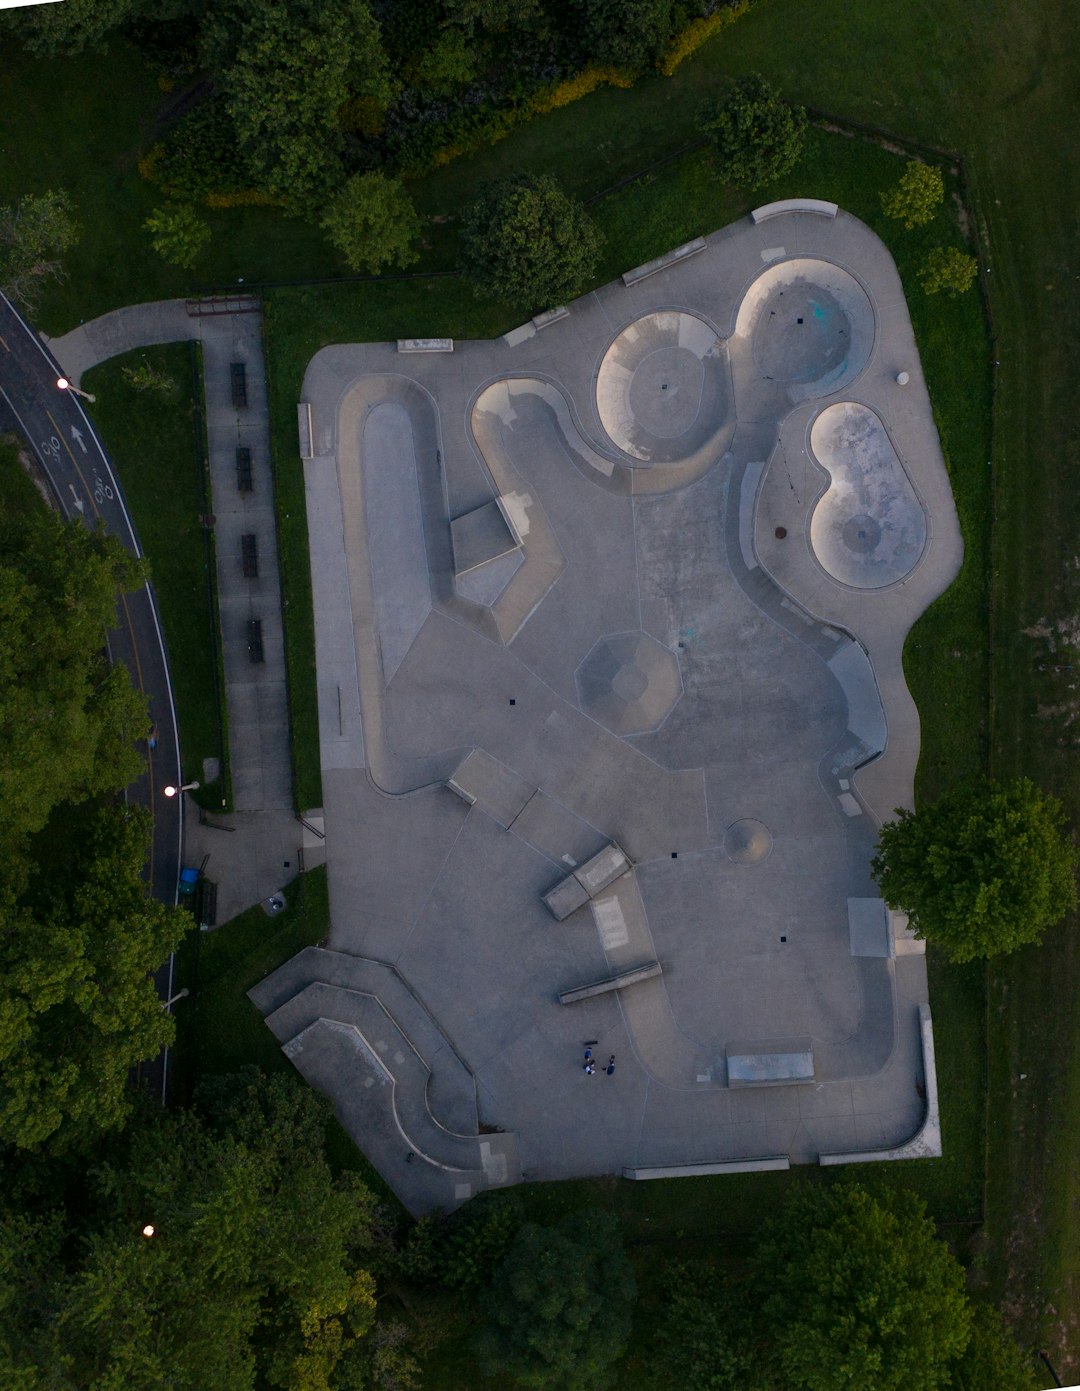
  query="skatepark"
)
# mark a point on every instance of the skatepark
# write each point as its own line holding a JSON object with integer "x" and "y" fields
{"x": 609, "y": 616}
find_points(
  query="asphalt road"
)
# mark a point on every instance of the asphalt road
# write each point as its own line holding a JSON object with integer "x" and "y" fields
{"x": 57, "y": 428}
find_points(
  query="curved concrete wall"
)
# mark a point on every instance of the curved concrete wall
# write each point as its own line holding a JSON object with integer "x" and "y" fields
{"x": 663, "y": 390}
{"x": 809, "y": 324}
{"x": 868, "y": 528}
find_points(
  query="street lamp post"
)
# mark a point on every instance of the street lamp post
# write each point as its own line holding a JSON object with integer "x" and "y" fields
{"x": 171, "y": 791}
{"x": 180, "y": 994}
{"x": 65, "y": 385}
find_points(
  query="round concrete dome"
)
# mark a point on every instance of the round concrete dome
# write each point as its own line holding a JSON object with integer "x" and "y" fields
{"x": 748, "y": 842}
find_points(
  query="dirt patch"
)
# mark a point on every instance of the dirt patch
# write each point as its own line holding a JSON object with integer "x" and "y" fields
{"x": 34, "y": 472}
{"x": 882, "y": 141}
{"x": 963, "y": 217}
{"x": 1057, "y": 633}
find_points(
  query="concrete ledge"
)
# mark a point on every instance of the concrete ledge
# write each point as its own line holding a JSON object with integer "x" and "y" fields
{"x": 425, "y": 345}
{"x": 794, "y": 205}
{"x": 552, "y": 316}
{"x": 303, "y": 427}
{"x": 926, "y": 1142}
{"x": 619, "y": 982}
{"x": 723, "y": 1166}
{"x": 776, "y": 1063}
{"x": 587, "y": 881}
{"x": 681, "y": 253}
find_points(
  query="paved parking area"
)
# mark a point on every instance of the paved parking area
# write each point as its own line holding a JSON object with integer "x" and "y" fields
{"x": 603, "y": 553}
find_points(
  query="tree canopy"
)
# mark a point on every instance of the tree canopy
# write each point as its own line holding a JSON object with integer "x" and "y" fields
{"x": 35, "y": 233}
{"x": 993, "y": 1358}
{"x": 178, "y": 234}
{"x": 78, "y": 1007}
{"x": 626, "y": 33}
{"x": 558, "y": 1310}
{"x": 285, "y": 69}
{"x": 373, "y": 223}
{"x": 524, "y": 240}
{"x": 755, "y": 135}
{"x": 67, "y": 718}
{"x": 948, "y": 269}
{"x": 256, "y": 1272}
{"x": 984, "y": 870}
{"x": 918, "y": 195}
{"x": 857, "y": 1291}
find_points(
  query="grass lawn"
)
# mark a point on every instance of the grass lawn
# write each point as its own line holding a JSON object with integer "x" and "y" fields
{"x": 158, "y": 444}
{"x": 17, "y": 490}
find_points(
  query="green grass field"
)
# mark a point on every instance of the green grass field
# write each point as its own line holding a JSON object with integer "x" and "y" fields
{"x": 997, "y": 84}
{"x": 158, "y": 445}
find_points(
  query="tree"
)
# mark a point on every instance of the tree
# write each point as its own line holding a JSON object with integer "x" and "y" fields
{"x": 34, "y": 233}
{"x": 144, "y": 376}
{"x": 68, "y": 720}
{"x": 986, "y": 869}
{"x": 255, "y": 1273}
{"x": 702, "y": 1342}
{"x": 449, "y": 64}
{"x": 523, "y": 239}
{"x": 558, "y": 1310}
{"x": 76, "y": 25}
{"x": 78, "y": 1007}
{"x": 492, "y": 15}
{"x": 756, "y": 137}
{"x": 993, "y": 1358}
{"x": 286, "y": 68}
{"x": 626, "y": 33}
{"x": 857, "y": 1291}
{"x": 948, "y": 269}
{"x": 178, "y": 234}
{"x": 918, "y": 195}
{"x": 373, "y": 223}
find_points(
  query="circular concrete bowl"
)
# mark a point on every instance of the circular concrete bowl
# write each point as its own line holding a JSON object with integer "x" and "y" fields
{"x": 868, "y": 528}
{"x": 663, "y": 389}
{"x": 809, "y": 324}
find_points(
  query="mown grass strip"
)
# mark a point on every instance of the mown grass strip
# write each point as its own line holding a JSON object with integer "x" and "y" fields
{"x": 157, "y": 442}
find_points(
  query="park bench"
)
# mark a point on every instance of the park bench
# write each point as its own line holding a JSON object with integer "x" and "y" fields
{"x": 238, "y": 373}
{"x": 255, "y": 640}
{"x": 249, "y": 555}
{"x": 244, "y": 481}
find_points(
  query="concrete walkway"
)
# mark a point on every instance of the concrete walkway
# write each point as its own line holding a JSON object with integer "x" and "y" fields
{"x": 260, "y": 849}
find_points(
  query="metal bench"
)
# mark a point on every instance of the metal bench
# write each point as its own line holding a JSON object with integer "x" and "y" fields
{"x": 255, "y": 640}
{"x": 249, "y": 555}
{"x": 238, "y": 374}
{"x": 244, "y": 481}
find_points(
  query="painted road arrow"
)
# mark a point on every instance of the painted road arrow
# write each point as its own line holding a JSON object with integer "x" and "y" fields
{"x": 78, "y": 500}
{"x": 76, "y": 435}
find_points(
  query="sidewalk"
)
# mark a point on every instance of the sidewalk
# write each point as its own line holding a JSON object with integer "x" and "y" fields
{"x": 261, "y": 850}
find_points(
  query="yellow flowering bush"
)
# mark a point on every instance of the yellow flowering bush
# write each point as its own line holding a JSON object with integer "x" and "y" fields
{"x": 696, "y": 33}
{"x": 574, "y": 88}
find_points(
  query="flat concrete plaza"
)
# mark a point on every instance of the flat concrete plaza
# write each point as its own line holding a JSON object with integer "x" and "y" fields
{"x": 609, "y": 621}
